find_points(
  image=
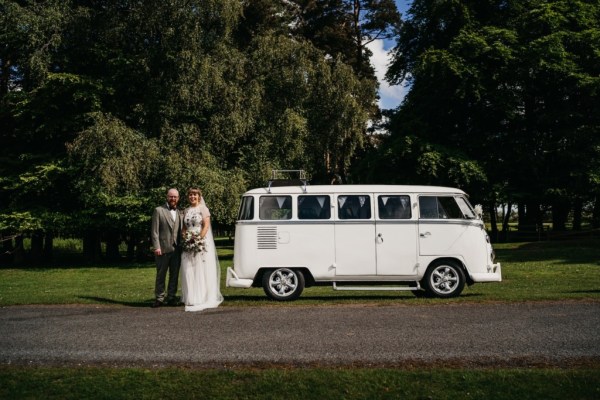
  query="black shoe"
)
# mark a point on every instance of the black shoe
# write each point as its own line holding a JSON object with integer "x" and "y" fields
{"x": 156, "y": 304}
{"x": 172, "y": 302}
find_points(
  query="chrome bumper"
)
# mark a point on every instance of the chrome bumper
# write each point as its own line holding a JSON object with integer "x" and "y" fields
{"x": 494, "y": 274}
{"x": 234, "y": 281}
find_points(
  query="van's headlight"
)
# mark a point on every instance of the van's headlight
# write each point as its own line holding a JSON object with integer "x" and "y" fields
{"x": 493, "y": 255}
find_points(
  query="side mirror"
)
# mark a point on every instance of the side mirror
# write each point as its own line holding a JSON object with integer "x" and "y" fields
{"x": 478, "y": 211}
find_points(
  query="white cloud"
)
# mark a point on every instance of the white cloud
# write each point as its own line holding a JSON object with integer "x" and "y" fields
{"x": 390, "y": 96}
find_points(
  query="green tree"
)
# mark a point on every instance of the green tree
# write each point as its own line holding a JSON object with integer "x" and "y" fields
{"x": 344, "y": 28}
{"x": 34, "y": 176}
{"x": 106, "y": 105}
{"x": 509, "y": 85}
{"x": 30, "y": 32}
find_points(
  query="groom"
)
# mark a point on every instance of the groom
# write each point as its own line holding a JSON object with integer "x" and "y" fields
{"x": 166, "y": 235}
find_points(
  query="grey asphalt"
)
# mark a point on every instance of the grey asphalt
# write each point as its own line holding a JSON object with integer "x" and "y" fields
{"x": 550, "y": 333}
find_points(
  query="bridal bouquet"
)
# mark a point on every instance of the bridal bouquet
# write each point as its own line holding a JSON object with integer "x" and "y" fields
{"x": 193, "y": 243}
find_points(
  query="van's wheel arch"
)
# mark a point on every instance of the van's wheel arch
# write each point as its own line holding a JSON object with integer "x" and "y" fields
{"x": 283, "y": 284}
{"x": 444, "y": 278}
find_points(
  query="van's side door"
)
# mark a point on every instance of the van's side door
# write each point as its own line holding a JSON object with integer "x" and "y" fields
{"x": 396, "y": 240}
{"x": 355, "y": 235}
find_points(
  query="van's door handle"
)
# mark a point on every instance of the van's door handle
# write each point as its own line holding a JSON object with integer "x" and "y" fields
{"x": 379, "y": 238}
{"x": 425, "y": 234}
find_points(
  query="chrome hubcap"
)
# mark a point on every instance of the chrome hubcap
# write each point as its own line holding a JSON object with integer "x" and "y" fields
{"x": 444, "y": 279}
{"x": 283, "y": 282}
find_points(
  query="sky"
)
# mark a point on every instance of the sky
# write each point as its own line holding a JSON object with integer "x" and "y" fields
{"x": 390, "y": 96}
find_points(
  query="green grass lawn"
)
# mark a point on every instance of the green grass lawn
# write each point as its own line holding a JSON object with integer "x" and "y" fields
{"x": 298, "y": 383}
{"x": 540, "y": 271}
{"x": 531, "y": 271}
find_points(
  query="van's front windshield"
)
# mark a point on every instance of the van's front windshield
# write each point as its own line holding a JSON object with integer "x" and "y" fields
{"x": 466, "y": 208}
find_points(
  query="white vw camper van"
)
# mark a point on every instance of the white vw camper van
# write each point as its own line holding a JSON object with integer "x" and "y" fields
{"x": 424, "y": 239}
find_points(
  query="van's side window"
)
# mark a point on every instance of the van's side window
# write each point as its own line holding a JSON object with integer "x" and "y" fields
{"x": 439, "y": 207}
{"x": 247, "y": 208}
{"x": 275, "y": 207}
{"x": 354, "y": 207}
{"x": 314, "y": 207}
{"x": 394, "y": 207}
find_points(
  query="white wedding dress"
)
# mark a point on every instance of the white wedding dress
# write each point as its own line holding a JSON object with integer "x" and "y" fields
{"x": 200, "y": 272}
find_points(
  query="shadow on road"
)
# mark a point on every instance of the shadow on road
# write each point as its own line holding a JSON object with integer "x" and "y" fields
{"x": 104, "y": 300}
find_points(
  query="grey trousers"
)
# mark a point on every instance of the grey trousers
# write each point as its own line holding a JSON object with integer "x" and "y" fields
{"x": 167, "y": 262}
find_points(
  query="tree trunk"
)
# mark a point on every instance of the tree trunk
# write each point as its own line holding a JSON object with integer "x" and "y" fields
{"x": 49, "y": 246}
{"x": 596, "y": 213}
{"x": 560, "y": 213}
{"x": 112, "y": 250}
{"x": 505, "y": 221}
{"x": 37, "y": 247}
{"x": 493, "y": 222}
{"x": 91, "y": 246}
{"x": 19, "y": 253}
{"x": 7, "y": 251}
{"x": 522, "y": 216}
{"x": 131, "y": 239}
{"x": 142, "y": 246}
{"x": 533, "y": 216}
{"x": 577, "y": 211}
{"x": 112, "y": 247}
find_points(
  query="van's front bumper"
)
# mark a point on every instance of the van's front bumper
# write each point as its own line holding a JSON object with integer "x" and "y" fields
{"x": 234, "y": 281}
{"x": 494, "y": 274}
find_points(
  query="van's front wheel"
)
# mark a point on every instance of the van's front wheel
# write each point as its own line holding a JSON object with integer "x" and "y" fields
{"x": 444, "y": 278}
{"x": 283, "y": 284}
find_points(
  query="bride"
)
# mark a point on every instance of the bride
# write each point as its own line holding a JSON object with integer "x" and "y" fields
{"x": 200, "y": 271}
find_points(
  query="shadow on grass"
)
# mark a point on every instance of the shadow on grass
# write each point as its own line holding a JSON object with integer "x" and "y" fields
{"x": 81, "y": 265}
{"x": 575, "y": 251}
{"x": 228, "y": 257}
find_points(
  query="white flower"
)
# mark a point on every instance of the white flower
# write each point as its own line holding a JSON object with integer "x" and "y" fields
{"x": 192, "y": 242}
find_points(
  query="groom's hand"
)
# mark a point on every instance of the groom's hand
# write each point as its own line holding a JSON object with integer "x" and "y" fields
{"x": 157, "y": 252}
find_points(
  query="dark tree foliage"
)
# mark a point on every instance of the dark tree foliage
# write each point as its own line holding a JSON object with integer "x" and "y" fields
{"x": 502, "y": 103}
{"x": 105, "y": 105}
{"x": 345, "y": 27}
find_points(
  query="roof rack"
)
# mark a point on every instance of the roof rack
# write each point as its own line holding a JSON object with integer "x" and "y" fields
{"x": 284, "y": 177}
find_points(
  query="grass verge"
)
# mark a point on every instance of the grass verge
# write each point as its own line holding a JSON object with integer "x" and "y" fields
{"x": 313, "y": 383}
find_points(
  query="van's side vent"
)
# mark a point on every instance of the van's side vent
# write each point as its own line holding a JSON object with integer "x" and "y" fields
{"x": 267, "y": 237}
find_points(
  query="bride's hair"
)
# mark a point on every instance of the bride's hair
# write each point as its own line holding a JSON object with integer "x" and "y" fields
{"x": 194, "y": 191}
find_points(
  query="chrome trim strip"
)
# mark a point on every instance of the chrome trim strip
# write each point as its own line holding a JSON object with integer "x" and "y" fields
{"x": 359, "y": 221}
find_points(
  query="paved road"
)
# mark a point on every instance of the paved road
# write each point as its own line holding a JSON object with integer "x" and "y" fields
{"x": 510, "y": 334}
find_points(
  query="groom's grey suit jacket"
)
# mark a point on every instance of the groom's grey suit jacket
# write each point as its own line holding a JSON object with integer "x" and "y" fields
{"x": 166, "y": 233}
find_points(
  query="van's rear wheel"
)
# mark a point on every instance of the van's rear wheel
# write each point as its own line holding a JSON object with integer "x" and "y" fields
{"x": 283, "y": 284}
{"x": 444, "y": 278}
